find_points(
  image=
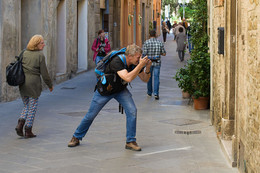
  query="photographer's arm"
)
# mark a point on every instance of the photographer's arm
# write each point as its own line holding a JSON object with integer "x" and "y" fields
{"x": 129, "y": 76}
{"x": 146, "y": 74}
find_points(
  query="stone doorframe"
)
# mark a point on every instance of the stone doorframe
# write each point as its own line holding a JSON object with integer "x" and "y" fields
{"x": 228, "y": 123}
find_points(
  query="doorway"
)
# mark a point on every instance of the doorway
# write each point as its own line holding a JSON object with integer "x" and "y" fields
{"x": 30, "y": 20}
{"x": 61, "y": 38}
{"x": 124, "y": 34}
{"x": 134, "y": 22}
{"x": 143, "y": 22}
{"x": 116, "y": 29}
{"x": 82, "y": 40}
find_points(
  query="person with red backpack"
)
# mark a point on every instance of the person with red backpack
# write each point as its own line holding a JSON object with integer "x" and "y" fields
{"x": 100, "y": 46}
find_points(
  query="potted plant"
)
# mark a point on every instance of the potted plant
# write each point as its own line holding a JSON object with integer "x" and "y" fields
{"x": 184, "y": 81}
{"x": 200, "y": 78}
{"x": 199, "y": 63}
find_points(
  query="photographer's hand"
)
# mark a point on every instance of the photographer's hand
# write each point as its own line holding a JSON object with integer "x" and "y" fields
{"x": 143, "y": 61}
{"x": 149, "y": 64}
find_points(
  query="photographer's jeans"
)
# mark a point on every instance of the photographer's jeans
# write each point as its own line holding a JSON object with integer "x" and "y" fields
{"x": 98, "y": 58}
{"x": 155, "y": 71}
{"x": 98, "y": 102}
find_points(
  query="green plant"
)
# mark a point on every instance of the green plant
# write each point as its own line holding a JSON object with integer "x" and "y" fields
{"x": 199, "y": 64}
{"x": 188, "y": 12}
{"x": 183, "y": 78}
{"x": 197, "y": 71}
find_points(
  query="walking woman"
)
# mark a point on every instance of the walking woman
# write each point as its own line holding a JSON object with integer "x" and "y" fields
{"x": 34, "y": 66}
{"x": 165, "y": 30}
{"x": 181, "y": 43}
{"x": 100, "y": 46}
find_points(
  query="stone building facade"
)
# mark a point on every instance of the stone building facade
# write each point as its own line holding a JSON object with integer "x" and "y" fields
{"x": 135, "y": 18}
{"x": 114, "y": 15}
{"x": 157, "y": 6}
{"x": 63, "y": 25}
{"x": 235, "y": 79}
{"x": 69, "y": 28}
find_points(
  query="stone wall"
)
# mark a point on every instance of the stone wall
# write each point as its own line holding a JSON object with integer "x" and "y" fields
{"x": 95, "y": 24}
{"x": 218, "y": 65}
{"x": 18, "y": 26}
{"x": 93, "y": 21}
{"x": 10, "y": 44}
{"x": 248, "y": 83}
{"x": 237, "y": 72}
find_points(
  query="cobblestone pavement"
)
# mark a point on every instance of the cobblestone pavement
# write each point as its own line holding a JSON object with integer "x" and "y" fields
{"x": 161, "y": 131}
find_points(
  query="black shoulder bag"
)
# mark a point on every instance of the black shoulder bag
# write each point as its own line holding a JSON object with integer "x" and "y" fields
{"x": 14, "y": 71}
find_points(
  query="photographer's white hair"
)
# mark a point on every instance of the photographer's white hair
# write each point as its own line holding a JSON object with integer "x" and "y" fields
{"x": 133, "y": 49}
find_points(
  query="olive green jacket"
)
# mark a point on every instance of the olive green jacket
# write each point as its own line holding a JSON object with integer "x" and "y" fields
{"x": 34, "y": 67}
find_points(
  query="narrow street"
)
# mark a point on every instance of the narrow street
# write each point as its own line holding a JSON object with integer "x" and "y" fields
{"x": 161, "y": 131}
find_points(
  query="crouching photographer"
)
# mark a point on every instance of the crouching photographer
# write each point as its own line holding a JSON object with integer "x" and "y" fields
{"x": 128, "y": 71}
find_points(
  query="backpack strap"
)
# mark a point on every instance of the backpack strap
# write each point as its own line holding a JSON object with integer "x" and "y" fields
{"x": 123, "y": 59}
{"x": 97, "y": 42}
{"x": 20, "y": 57}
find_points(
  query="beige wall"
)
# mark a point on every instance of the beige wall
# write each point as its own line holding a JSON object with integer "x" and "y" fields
{"x": 248, "y": 82}
{"x": 236, "y": 77}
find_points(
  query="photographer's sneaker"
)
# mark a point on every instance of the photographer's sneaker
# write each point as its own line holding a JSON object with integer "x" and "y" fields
{"x": 73, "y": 142}
{"x": 156, "y": 97}
{"x": 132, "y": 146}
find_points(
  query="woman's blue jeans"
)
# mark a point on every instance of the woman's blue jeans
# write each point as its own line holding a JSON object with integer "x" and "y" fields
{"x": 98, "y": 102}
{"x": 98, "y": 58}
{"x": 155, "y": 71}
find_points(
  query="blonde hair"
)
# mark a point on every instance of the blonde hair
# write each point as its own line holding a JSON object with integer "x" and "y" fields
{"x": 34, "y": 42}
{"x": 132, "y": 50}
